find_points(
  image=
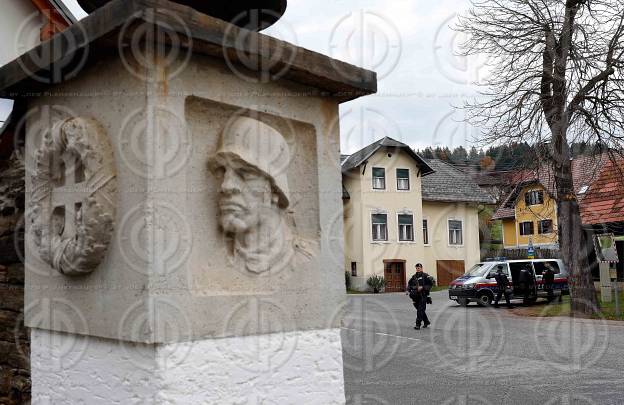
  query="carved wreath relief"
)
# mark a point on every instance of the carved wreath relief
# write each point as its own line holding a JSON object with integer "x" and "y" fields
{"x": 74, "y": 196}
{"x": 250, "y": 164}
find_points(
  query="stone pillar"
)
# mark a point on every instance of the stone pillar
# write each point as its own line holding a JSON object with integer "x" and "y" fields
{"x": 183, "y": 195}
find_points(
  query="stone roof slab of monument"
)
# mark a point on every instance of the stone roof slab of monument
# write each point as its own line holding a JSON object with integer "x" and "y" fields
{"x": 209, "y": 36}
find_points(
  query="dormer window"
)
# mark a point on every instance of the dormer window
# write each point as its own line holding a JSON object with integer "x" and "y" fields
{"x": 534, "y": 197}
{"x": 379, "y": 178}
{"x": 403, "y": 181}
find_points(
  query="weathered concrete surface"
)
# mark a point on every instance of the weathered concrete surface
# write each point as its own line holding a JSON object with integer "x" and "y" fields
{"x": 168, "y": 261}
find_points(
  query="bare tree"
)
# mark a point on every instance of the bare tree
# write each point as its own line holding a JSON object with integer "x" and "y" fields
{"x": 556, "y": 78}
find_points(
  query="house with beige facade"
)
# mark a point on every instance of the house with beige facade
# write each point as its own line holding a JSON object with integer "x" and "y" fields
{"x": 400, "y": 209}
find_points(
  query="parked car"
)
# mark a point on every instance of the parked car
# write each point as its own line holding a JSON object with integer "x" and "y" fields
{"x": 478, "y": 284}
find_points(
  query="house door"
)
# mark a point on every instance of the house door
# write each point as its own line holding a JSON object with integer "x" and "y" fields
{"x": 449, "y": 270}
{"x": 394, "y": 274}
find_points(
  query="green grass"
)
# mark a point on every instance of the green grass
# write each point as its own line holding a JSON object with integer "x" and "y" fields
{"x": 607, "y": 309}
{"x": 439, "y": 288}
{"x": 358, "y": 292}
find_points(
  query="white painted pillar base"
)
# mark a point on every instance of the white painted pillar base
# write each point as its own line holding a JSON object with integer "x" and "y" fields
{"x": 303, "y": 367}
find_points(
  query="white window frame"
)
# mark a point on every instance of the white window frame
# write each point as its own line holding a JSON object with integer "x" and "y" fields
{"x": 448, "y": 232}
{"x": 385, "y": 179}
{"x": 413, "y": 240}
{"x": 409, "y": 183}
{"x": 428, "y": 233}
{"x": 379, "y": 212}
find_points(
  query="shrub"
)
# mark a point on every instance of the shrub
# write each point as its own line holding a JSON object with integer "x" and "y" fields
{"x": 376, "y": 283}
{"x": 348, "y": 280}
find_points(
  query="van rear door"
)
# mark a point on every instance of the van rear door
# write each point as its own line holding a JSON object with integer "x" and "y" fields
{"x": 515, "y": 268}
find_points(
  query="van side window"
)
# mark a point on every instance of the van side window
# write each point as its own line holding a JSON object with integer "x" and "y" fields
{"x": 515, "y": 268}
{"x": 505, "y": 269}
{"x": 541, "y": 266}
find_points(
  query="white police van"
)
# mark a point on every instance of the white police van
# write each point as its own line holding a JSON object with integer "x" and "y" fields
{"x": 478, "y": 284}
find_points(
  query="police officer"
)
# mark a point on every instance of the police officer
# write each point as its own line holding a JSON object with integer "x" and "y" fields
{"x": 527, "y": 283}
{"x": 418, "y": 289}
{"x": 502, "y": 283}
{"x": 549, "y": 280}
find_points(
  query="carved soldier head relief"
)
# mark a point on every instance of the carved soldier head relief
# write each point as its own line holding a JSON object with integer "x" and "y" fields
{"x": 250, "y": 164}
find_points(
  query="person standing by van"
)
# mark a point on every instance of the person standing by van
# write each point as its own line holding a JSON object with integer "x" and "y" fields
{"x": 418, "y": 288}
{"x": 502, "y": 284}
{"x": 548, "y": 276}
{"x": 527, "y": 282}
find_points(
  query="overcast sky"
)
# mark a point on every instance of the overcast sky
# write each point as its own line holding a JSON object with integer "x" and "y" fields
{"x": 410, "y": 45}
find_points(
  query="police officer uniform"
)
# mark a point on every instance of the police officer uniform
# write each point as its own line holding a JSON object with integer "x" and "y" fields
{"x": 502, "y": 284}
{"x": 419, "y": 298}
{"x": 549, "y": 280}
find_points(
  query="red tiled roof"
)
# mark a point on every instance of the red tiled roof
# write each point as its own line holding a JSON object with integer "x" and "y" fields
{"x": 604, "y": 201}
{"x": 585, "y": 171}
{"x": 504, "y": 212}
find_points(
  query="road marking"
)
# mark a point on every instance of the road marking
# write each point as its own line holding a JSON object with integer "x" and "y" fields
{"x": 383, "y": 334}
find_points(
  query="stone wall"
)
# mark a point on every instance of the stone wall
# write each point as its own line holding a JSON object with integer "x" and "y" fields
{"x": 14, "y": 339}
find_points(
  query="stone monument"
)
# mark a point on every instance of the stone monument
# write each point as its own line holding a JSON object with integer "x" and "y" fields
{"x": 178, "y": 202}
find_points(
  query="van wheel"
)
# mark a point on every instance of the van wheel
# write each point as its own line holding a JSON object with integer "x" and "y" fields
{"x": 485, "y": 300}
{"x": 462, "y": 301}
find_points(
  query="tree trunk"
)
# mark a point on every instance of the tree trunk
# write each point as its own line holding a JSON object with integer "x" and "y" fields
{"x": 575, "y": 251}
{"x": 572, "y": 240}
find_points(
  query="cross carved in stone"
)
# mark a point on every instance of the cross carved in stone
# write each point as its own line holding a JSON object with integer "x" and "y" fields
{"x": 71, "y": 194}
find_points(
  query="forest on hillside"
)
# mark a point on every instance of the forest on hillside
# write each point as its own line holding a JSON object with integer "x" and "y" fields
{"x": 500, "y": 158}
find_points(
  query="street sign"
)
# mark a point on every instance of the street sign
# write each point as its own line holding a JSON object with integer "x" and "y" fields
{"x": 606, "y": 251}
{"x": 530, "y": 250}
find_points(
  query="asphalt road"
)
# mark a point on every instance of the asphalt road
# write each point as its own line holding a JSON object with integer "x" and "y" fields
{"x": 477, "y": 355}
